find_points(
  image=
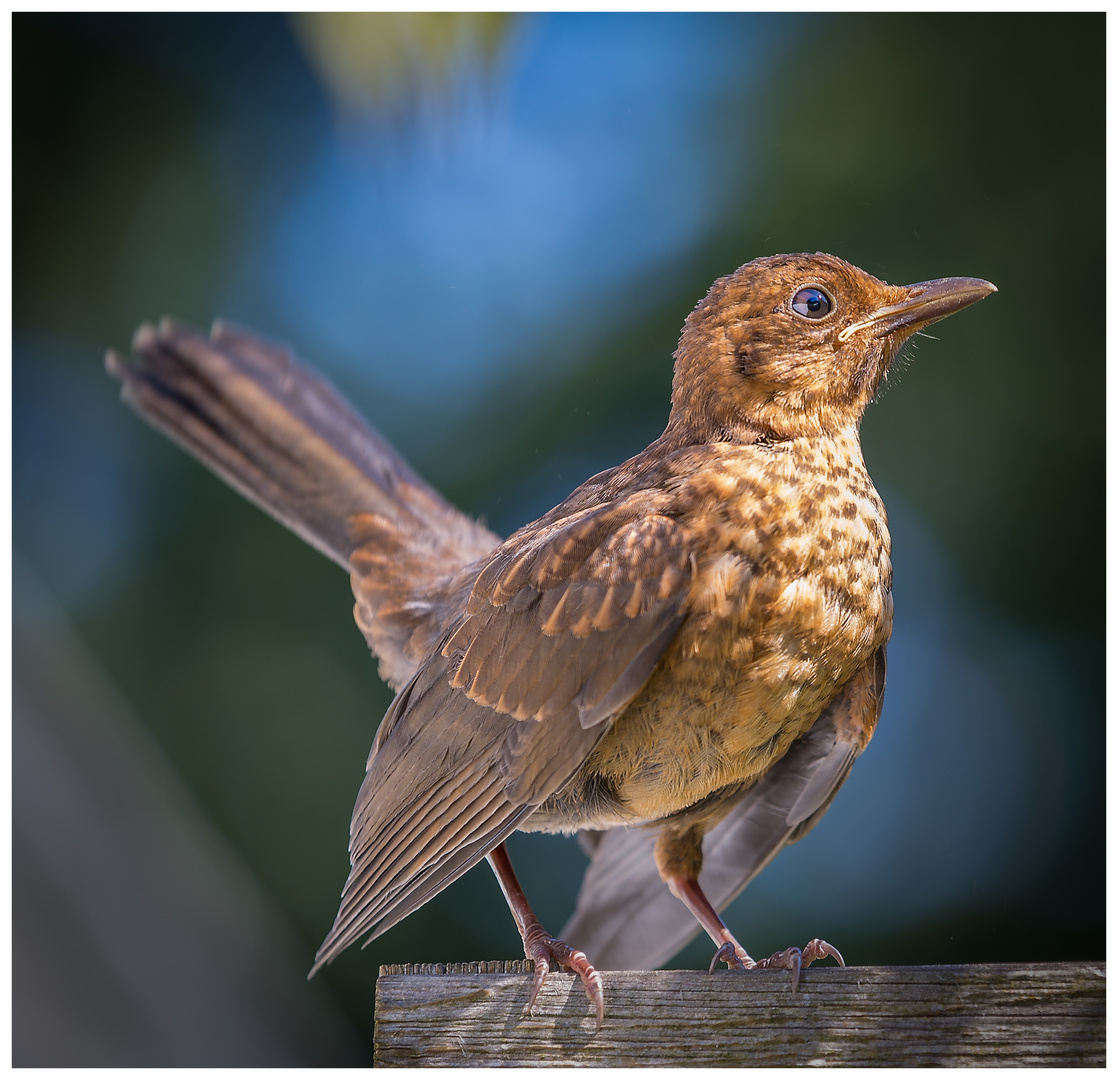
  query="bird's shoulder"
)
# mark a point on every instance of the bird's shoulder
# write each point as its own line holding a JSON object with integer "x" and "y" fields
{"x": 671, "y": 479}
{"x": 663, "y": 516}
{"x": 638, "y": 520}
{"x": 577, "y": 607}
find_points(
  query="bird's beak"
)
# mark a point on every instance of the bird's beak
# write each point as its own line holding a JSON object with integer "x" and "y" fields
{"x": 927, "y": 302}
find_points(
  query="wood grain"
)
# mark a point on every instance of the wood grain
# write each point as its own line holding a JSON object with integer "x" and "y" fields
{"x": 952, "y": 1015}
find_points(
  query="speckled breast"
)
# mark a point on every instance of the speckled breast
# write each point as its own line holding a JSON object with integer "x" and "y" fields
{"x": 792, "y": 597}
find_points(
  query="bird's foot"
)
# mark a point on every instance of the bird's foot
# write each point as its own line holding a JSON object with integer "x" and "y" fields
{"x": 793, "y": 959}
{"x": 544, "y": 951}
{"x": 539, "y": 946}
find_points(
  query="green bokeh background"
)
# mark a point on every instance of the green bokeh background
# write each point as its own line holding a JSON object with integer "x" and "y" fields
{"x": 914, "y": 146}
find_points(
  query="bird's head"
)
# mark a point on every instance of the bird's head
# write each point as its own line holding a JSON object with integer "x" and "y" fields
{"x": 798, "y": 345}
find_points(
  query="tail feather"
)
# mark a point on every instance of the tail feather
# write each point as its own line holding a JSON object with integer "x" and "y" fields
{"x": 287, "y": 441}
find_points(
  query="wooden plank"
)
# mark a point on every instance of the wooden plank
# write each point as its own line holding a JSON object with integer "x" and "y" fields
{"x": 969, "y": 1014}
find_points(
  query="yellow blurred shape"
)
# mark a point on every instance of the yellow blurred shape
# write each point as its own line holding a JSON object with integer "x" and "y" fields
{"x": 379, "y": 60}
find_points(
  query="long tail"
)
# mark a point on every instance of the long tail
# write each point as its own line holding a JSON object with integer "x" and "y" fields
{"x": 287, "y": 441}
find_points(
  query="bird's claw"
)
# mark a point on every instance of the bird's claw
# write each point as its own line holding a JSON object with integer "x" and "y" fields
{"x": 544, "y": 951}
{"x": 793, "y": 959}
{"x": 732, "y": 956}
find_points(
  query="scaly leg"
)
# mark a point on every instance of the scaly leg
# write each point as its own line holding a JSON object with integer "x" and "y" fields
{"x": 539, "y": 946}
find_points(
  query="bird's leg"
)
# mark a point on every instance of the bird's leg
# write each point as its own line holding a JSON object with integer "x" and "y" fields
{"x": 679, "y": 857}
{"x": 539, "y": 946}
{"x": 730, "y": 950}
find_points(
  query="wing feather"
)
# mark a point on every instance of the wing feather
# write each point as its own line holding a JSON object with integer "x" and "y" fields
{"x": 561, "y": 628}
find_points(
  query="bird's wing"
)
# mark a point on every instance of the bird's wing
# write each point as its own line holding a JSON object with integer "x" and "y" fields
{"x": 562, "y": 628}
{"x": 627, "y": 919}
{"x": 286, "y": 440}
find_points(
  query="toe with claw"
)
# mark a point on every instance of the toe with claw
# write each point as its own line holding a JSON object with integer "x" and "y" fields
{"x": 795, "y": 959}
{"x": 544, "y": 951}
{"x": 733, "y": 956}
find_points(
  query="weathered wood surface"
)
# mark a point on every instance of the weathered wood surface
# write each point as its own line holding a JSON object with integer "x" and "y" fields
{"x": 972, "y": 1014}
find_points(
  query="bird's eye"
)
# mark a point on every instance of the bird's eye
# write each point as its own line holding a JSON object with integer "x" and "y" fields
{"x": 811, "y": 303}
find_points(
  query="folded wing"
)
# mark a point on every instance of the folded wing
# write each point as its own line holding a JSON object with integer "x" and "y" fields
{"x": 562, "y": 627}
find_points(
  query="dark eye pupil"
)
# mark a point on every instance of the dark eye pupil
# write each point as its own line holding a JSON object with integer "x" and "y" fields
{"x": 811, "y": 303}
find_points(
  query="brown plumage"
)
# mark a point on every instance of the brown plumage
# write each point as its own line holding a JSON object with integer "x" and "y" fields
{"x": 693, "y": 640}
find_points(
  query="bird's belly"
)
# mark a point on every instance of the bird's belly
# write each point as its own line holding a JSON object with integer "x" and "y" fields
{"x": 669, "y": 752}
{"x": 724, "y": 705}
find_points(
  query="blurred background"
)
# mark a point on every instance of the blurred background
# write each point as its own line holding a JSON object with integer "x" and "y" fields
{"x": 487, "y": 230}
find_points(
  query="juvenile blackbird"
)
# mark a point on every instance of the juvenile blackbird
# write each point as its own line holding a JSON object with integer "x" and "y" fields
{"x": 682, "y": 660}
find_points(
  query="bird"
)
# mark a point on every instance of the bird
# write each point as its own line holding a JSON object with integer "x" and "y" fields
{"x": 680, "y": 662}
